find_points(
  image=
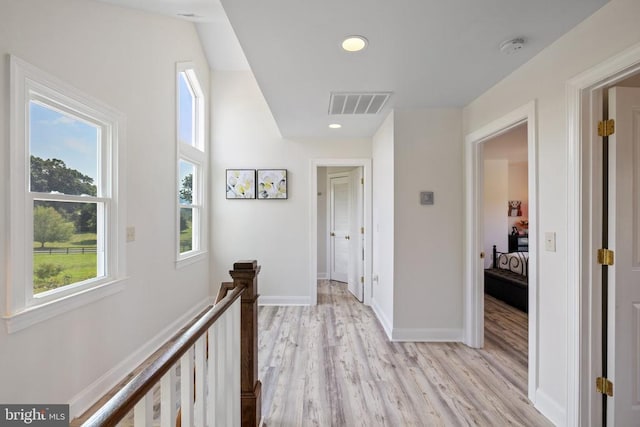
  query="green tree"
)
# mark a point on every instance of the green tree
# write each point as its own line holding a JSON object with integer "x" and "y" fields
{"x": 50, "y": 226}
{"x": 53, "y": 175}
{"x": 186, "y": 192}
{"x": 49, "y": 175}
{"x": 186, "y": 196}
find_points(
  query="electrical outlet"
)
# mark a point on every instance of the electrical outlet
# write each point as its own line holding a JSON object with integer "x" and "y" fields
{"x": 131, "y": 234}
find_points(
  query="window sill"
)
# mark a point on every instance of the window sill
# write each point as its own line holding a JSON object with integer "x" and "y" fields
{"x": 191, "y": 258}
{"x": 39, "y": 313}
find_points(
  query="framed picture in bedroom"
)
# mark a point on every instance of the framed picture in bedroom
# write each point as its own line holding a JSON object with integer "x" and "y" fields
{"x": 272, "y": 184}
{"x": 241, "y": 184}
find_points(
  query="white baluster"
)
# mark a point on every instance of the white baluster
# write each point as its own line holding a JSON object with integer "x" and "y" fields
{"x": 211, "y": 373}
{"x": 168, "y": 398}
{"x": 220, "y": 380}
{"x": 143, "y": 411}
{"x": 200, "y": 406}
{"x": 186, "y": 388}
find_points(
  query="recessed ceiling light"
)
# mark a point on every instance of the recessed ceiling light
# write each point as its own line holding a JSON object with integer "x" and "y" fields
{"x": 335, "y": 126}
{"x": 189, "y": 15}
{"x": 354, "y": 43}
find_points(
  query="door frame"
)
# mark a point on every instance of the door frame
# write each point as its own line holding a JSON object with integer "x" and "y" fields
{"x": 584, "y": 105}
{"x": 313, "y": 222}
{"x": 474, "y": 243}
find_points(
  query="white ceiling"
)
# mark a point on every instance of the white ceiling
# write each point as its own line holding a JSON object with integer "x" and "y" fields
{"x": 429, "y": 53}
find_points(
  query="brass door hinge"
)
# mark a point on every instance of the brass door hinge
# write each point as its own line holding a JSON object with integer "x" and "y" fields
{"x": 604, "y": 386}
{"x": 361, "y": 230}
{"x": 605, "y": 257}
{"x": 606, "y": 127}
{"x": 362, "y": 181}
{"x": 361, "y": 279}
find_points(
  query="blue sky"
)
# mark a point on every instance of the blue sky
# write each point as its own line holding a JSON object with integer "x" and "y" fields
{"x": 58, "y": 136}
{"x": 185, "y": 125}
{"x": 54, "y": 135}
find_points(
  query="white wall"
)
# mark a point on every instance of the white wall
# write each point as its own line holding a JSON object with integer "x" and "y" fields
{"x": 496, "y": 184}
{"x": 275, "y": 232}
{"x": 383, "y": 222}
{"x": 126, "y": 59}
{"x": 428, "y": 239}
{"x": 609, "y": 31}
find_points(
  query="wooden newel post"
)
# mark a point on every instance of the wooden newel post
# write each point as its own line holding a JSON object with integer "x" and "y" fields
{"x": 245, "y": 273}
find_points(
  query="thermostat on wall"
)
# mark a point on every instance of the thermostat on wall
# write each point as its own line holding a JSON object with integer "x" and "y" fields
{"x": 426, "y": 197}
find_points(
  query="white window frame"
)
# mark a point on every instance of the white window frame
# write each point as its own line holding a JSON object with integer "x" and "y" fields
{"x": 196, "y": 155}
{"x": 24, "y": 309}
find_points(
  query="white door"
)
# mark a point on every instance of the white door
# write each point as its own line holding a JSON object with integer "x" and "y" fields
{"x": 356, "y": 233}
{"x": 339, "y": 223}
{"x": 624, "y": 275}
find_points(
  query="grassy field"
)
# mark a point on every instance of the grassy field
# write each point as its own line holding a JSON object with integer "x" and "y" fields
{"x": 81, "y": 240}
{"x": 54, "y": 270}
{"x": 185, "y": 240}
{"x": 73, "y": 268}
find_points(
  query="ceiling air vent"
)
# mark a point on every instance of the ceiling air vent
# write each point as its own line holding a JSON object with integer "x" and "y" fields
{"x": 357, "y": 103}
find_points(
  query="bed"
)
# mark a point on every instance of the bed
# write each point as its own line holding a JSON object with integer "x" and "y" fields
{"x": 507, "y": 280}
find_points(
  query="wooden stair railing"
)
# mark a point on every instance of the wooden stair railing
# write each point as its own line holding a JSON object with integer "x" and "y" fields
{"x": 136, "y": 392}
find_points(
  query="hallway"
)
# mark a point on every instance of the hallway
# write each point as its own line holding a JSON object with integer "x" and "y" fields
{"x": 332, "y": 365}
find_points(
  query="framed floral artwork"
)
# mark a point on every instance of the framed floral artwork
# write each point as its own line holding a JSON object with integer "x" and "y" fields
{"x": 272, "y": 184}
{"x": 241, "y": 183}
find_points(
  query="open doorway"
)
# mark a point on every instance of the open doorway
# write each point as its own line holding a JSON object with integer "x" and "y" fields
{"x": 506, "y": 236}
{"x": 341, "y": 227}
{"x": 604, "y": 301}
{"x": 357, "y": 264}
{"x": 523, "y": 120}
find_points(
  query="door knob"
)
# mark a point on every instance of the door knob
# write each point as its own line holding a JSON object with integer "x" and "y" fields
{"x": 332, "y": 234}
{"x": 347, "y": 237}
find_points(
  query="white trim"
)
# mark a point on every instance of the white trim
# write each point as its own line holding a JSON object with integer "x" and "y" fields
{"x": 550, "y": 408}
{"x": 382, "y": 317}
{"x": 323, "y": 276}
{"x": 192, "y": 258}
{"x": 473, "y": 332}
{"x": 580, "y": 90}
{"x": 26, "y": 83}
{"x": 40, "y": 313}
{"x": 82, "y": 401}
{"x": 283, "y": 300}
{"x": 314, "y": 164}
{"x": 197, "y": 156}
{"x": 426, "y": 335}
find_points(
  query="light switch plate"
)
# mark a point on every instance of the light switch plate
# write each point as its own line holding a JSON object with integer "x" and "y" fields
{"x": 426, "y": 198}
{"x": 131, "y": 234}
{"x": 550, "y": 241}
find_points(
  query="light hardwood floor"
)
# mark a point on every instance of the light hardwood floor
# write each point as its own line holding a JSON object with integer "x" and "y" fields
{"x": 332, "y": 365}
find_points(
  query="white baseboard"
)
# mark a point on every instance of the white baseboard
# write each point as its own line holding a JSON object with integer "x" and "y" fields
{"x": 286, "y": 300}
{"x": 426, "y": 335}
{"x": 323, "y": 276}
{"x": 550, "y": 408}
{"x": 382, "y": 318}
{"x": 91, "y": 394}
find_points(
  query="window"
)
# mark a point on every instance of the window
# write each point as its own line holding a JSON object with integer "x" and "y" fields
{"x": 191, "y": 166}
{"x": 64, "y": 197}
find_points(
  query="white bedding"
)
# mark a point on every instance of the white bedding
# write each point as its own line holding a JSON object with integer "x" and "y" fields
{"x": 514, "y": 261}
